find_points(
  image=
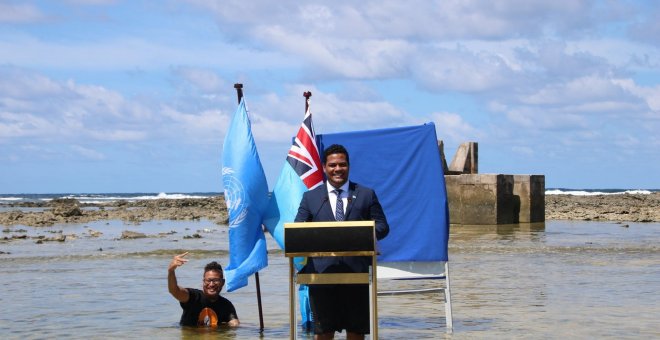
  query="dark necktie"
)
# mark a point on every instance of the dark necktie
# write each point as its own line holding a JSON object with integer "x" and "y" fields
{"x": 339, "y": 208}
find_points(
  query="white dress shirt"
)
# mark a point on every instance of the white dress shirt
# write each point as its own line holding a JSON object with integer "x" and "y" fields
{"x": 332, "y": 197}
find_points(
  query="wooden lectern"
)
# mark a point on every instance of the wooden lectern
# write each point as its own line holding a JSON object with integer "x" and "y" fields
{"x": 347, "y": 238}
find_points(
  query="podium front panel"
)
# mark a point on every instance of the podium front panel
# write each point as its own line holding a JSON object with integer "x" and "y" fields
{"x": 346, "y": 238}
{"x": 329, "y": 237}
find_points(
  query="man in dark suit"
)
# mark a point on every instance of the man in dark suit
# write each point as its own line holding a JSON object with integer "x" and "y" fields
{"x": 339, "y": 307}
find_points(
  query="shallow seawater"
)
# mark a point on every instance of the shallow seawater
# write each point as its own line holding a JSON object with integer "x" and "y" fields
{"x": 561, "y": 279}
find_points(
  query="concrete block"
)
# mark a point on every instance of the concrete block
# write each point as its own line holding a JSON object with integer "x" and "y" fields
{"x": 454, "y": 189}
{"x": 480, "y": 199}
{"x": 441, "y": 149}
{"x": 465, "y": 160}
{"x": 529, "y": 198}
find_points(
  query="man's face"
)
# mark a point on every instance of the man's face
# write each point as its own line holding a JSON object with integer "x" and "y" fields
{"x": 212, "y": 283}
{"x": 336, "y": 169}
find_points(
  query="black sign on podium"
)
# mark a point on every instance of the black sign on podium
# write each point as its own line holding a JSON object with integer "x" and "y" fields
{"x": 347, "y": 238}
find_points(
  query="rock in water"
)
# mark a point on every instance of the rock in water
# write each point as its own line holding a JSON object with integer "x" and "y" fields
{"x": 66, "y": 207}
{"x": 127, "y": 234}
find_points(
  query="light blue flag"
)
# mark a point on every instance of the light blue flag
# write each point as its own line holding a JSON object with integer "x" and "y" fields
{"x": 284, "y": 203}
{"x": 246, "y": 195}
{"x": 301, "y": 172}
{"x": 283, "y": 207}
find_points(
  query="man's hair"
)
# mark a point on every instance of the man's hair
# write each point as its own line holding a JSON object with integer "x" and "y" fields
{"x": 213, "y": 266}
{"x": 334, "y": 149}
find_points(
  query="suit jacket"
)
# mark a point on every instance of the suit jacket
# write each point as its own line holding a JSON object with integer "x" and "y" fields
{"x": 362, "y": 205}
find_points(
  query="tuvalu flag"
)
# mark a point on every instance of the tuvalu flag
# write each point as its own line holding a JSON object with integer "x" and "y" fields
{"x": 246, "y": 196}
{"x": 301, "y": 172}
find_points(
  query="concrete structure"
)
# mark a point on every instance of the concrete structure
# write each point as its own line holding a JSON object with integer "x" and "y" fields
{"x": 487, "y": 199}
{"x": 480, "y": 199}
{"x": 490, "y": 199}
{"x": 465, "y": 160}
{"x": 529, "y": 198}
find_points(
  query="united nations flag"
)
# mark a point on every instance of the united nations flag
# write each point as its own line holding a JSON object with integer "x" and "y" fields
{"x": 246, "y": 195}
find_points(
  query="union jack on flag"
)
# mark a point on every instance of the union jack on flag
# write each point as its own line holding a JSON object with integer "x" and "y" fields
{"x": 301, "y": 172}
{"x": 304, "y": 154}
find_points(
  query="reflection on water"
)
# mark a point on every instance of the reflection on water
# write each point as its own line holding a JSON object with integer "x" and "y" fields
{"x": 558, "y": 280}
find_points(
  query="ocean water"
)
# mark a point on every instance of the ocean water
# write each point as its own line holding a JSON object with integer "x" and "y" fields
{"x": 6, "y": 199}
{"x": 560, "y": 279}
{"x": 100, "y": 197}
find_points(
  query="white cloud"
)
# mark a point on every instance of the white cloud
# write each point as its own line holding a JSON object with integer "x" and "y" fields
{"x": 20, "y": 13}
{"x": 451, "y": 127}
{"x": 462, "y": 70}
{"x": 39, "y": 107}
{"x": 268, "y": 130}
{"x": 586, "y": 90}
{"x": 457, "y": 19}
{"x": 332, "y": 113}
{"x": 20, "y": 125}
{"x": 651, "y": 94}
{"x": 117, "y": 135}
{"x": 195, "y": 126}
{"x": 88, "y": 153}
{"x": 19, "y": 84}
{"x": 125, "y": 52}
{"x": 92, "y": 2}
{"x": 366, "y": 41}
{"x": 206, "y": 80}
{"x": 549, "y": 120}
{"x": 282, "y": 114}
{"x": 352, "y": 59}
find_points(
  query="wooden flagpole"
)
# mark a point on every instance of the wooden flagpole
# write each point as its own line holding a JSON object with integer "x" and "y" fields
{"x": 307, "y": 95}
{"x": 239, "y": 94}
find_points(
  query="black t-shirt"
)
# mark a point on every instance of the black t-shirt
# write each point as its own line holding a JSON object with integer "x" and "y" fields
{"x": 200, "y": 311}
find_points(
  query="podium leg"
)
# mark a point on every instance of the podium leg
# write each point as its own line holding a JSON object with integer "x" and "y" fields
{"x": 448, "y": 314}
{"x": 292, "y": 301}
{"x": 373, "y": 300}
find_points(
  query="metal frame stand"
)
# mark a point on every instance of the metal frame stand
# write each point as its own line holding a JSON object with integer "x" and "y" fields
{"x": 313, "y": 234}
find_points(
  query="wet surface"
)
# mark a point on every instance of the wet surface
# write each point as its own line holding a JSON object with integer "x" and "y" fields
{"x": 561, "y": 279}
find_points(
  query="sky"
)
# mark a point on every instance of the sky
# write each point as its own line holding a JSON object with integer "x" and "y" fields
{"x": 136, "y": 96}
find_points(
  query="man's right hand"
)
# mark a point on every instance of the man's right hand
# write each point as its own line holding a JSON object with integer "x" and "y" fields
{"x": 177, "y": 261}
{"x": 179, "y": 293}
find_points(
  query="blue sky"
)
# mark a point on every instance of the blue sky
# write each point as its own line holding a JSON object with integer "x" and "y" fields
{"x": 136, "y": 96}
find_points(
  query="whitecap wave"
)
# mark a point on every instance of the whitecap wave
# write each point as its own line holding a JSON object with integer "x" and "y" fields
{"x": 10, "y": 198}
{"x": 594, "y": 193}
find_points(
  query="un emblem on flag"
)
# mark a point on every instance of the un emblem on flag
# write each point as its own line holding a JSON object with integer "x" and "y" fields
{"x": 234, "y": 197}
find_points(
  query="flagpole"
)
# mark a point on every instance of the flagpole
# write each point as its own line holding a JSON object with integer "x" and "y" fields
{"x": 307, "y": 95}
{"x": 239, "y": 94}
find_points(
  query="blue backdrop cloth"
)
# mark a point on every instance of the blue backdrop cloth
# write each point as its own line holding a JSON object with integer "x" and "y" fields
{"x": 404, "y": 167}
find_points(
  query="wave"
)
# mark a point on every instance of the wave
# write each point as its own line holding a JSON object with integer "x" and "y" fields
{"x": 594, "y": 192}
{"x": 102, "y": 197}
{"x": 11, "y": 199}
{"x": 162, "y": 195}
